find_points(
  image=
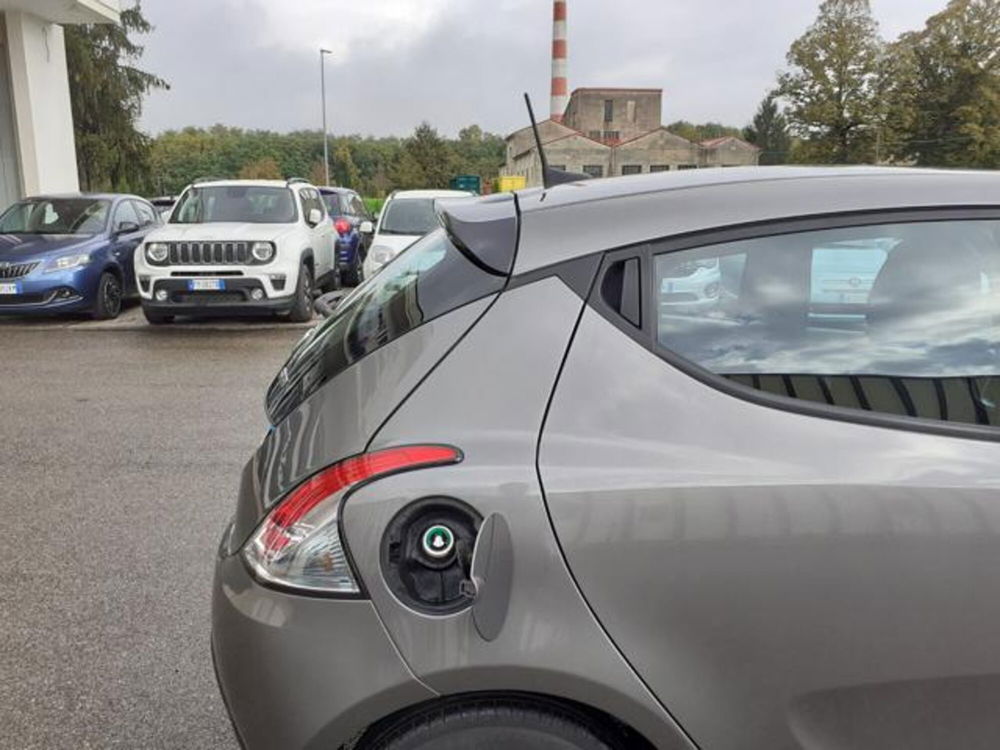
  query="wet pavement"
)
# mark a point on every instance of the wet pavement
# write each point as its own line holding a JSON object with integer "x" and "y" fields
{"x": 121, "y": 447}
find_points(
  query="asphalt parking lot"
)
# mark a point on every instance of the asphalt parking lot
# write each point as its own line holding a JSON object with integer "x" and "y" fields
{"x": 120, "y": 452}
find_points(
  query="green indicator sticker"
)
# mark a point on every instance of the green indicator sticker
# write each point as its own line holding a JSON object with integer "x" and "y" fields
{"x": 438, "y": 541}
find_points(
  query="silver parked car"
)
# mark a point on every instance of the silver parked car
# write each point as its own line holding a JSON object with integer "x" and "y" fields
{"x": 513, "y": 497}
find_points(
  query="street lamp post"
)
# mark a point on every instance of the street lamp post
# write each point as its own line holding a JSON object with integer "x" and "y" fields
{"x": 322, "y": 83}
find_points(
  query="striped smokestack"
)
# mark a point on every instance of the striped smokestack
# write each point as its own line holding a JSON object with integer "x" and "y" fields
{"x": 560, "y": 91}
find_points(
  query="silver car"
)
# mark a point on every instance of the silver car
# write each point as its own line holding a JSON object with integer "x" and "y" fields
{"x": 513, "y": 498}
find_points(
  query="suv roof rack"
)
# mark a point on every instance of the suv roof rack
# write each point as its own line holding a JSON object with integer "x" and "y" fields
{"x": 207, "y": 178}
{"x": 296, "y": 181}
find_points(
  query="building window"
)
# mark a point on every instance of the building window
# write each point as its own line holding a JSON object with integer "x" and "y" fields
{"x": 612, "y": 135}
{"x": 687, "y": 166}
{"x": 594, "y": 170}
{"x": 609, "y": 110}
{"x": 558, "y": 167}
{"x": 659, "y": 168}
{"x": 631, "y": 169}
{"x": 595, "y": 134}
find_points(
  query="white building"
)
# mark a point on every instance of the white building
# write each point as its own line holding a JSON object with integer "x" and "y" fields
{"x": 37, "y": 150}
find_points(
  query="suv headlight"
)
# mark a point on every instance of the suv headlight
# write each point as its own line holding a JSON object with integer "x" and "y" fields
{"x": 66, "y": 262}
{"x": 382, "y": 255}
{"x": 156, "y": 252}
{"x": 262, "y": 251}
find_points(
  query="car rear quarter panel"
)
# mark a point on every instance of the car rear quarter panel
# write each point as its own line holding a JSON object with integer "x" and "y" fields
{"x": 343, "y": 415}
{"x": 488, "y": 398}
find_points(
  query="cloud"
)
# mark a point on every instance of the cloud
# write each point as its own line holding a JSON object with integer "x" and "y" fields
{"x": 255, "y": 63}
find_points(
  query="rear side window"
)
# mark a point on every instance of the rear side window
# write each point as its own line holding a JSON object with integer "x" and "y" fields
{"x": 430, "y": 278}
{"x": 900, "y": 319}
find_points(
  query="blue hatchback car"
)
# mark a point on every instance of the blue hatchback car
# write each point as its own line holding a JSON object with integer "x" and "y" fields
{"x": 71, "y": 253}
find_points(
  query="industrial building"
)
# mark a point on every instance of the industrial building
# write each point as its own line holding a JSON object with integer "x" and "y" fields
{"x": 37, "y": 148}
{"x": 610, "y": 131}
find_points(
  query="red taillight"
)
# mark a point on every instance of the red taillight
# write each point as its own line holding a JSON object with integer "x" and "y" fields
{"x": 298, "y": 546}
{"x": 343, "y": 227}
{"x": 355, "y": 470}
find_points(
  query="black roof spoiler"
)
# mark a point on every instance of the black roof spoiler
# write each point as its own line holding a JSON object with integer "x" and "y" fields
{"x": 484, "y": 230}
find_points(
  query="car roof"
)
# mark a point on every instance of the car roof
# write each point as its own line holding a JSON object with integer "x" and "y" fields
{"x": 430, "y": 194}
{"x": 93, "y": 196}
{"x": 336, "y": 189}
{"x": 250, "y": 183}
{"x": 620, "y": 211}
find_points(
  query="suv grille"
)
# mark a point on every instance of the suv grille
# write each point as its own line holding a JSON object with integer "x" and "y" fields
{"x": 214, "y": 253}
{"x": 17, "y": 270}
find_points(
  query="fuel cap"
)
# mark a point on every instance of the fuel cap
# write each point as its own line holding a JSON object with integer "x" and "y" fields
{"x": 438, "y": 541}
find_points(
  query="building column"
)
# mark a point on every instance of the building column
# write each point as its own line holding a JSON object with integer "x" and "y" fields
{"x": 43, "y": 116}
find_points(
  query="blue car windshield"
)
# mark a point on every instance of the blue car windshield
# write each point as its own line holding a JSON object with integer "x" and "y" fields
{"x": 56, "y": 216}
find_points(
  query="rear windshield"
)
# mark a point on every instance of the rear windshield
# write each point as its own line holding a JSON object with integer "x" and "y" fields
{"x": 409, "y": 216}
{"x": 337, "y": 204}
{"x": 432, "y": 277}
{"x": 235, "y": 203}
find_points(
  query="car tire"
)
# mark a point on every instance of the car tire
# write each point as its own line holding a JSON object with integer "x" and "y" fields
{"x": 110, "y": 296}
{"x": 156, "y": 318}
{"x": 525, "y": 724}
{"x": 302, "y": 309}
{"x": 352, "y": 277}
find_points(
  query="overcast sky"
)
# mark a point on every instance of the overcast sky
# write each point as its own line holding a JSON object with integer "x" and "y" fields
{"x": 255, "y": 63}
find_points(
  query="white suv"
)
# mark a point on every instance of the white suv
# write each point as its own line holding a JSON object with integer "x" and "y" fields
{"x": 238, "y": 247}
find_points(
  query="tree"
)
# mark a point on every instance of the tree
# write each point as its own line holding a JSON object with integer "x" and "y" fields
{"x": 945, "y": 96}
{"x": 345, "y": 172}
{"x": 479, "y": 153}
{"x": 106, "y": 92}
{"x": 769, "y": 132}
{"x": 317, "y": 173}
{"x": 372, "y": 166}
{"x": 432, "y": 155}
{"x": 261, "y": 169}
{"x": 407, "y": 173}
{"x": 471, "y": 134}
{"x": 833, "y": 88}
{"x": 696, "y": 133}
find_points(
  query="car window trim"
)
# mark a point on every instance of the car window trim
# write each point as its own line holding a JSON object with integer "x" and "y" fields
{"x": 646, "y": 335}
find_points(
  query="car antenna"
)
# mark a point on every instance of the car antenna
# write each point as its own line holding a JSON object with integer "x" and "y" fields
{"x": 550, "y": 176}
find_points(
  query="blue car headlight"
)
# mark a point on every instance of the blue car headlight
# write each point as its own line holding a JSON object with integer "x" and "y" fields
{"x": 67, "y": 262}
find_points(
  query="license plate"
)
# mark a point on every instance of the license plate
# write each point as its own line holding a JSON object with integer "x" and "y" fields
{"x": 206, "y": 285}
{"x": 13, "y": 288}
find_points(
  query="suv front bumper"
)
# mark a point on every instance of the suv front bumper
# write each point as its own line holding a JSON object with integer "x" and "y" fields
{"x": 301, "y": 671}
{"x": 235, "y": 299}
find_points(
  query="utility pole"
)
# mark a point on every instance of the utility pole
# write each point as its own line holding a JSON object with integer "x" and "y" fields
{"x": 322, "y": 83}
